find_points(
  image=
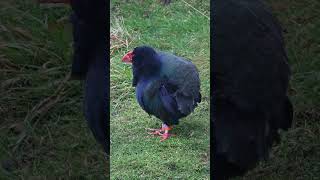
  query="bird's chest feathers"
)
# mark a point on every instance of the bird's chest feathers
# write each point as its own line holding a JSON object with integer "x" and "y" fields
{"x": 140, "y": 89}
{"x": 146, "y": 93}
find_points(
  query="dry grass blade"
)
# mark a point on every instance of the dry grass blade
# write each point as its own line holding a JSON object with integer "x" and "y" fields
{"x": 43, "y": 107}
{"x": 7, "y": 83}
{"x": 22, "y": 32}
{"x": 119, "y": 36}
{"x": 7, "y": 64}
{"x": 196, "y": 10}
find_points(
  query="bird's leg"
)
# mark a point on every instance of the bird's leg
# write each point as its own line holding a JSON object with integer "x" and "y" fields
{"x": 155, "y": 131}
{"x": 163, "y": 130}
{"x": 165, "y": 135}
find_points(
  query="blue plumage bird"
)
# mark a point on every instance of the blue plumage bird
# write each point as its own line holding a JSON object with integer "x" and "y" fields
{"x": 167, "y": 86}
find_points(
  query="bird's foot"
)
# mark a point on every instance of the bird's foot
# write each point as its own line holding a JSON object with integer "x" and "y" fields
{"x": 158, "y": 132}
{"x": 166, "y": 136}
{"x": 163, "y": 132}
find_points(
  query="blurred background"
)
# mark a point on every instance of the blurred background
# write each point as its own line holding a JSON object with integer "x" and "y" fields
{"x": 42, "y": 128}
{"x": 298, "y": 154}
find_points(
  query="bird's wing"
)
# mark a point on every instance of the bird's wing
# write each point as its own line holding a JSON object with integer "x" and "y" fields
{"x": 167, "y": 98}
{"x": 149, "y": 96}
{"x": 184, "y": 92}
{"x": 188, "y": 92}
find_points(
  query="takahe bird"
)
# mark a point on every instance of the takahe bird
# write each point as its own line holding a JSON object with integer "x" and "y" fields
{"x": 250, "y": 82}
{"x": 167, "y": 86}
{"x": 90, "y": 32}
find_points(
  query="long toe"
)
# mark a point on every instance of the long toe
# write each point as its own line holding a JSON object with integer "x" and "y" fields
{"x": 155, "y": 131}
{"x": 150, "y": 129}
{"x": 165, "y": 136}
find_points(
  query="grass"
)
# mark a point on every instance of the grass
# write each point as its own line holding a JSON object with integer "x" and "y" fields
{"x": 298, "y": 155}
{"x": 179, "y": 29}
{"x": 42, "y": 128}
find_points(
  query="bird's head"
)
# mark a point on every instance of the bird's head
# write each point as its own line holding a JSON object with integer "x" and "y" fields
{"x": 145, "y": 62}
{"x": 141, "y": 54}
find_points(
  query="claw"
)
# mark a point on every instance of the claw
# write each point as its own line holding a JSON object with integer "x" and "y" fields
{"x": 165, "y": 136}
{"x": 155, "y": 131}
{"x": 150, "y": 129}
{"x": 163, "y": 132}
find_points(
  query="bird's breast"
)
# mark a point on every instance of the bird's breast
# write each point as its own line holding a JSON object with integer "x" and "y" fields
{"x": 139, "y": 93}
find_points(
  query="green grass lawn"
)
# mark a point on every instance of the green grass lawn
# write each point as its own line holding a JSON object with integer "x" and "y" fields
{"x": 42, "y": 128}
{"x": 179, "y": 29}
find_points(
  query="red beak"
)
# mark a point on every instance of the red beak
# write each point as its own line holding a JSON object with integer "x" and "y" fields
{"x": 128, "y": 57}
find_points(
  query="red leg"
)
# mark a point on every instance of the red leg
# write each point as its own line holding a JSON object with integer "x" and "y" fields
{"x": 166, "y": 134}
{"x": 163, "y": 132}
{"x": 155, "y": 131}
